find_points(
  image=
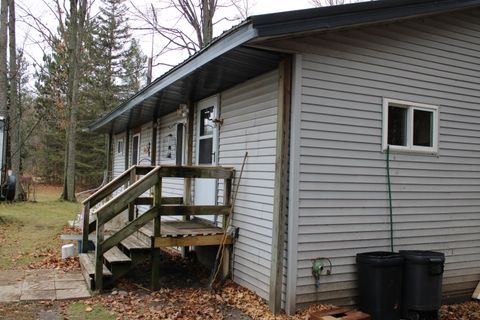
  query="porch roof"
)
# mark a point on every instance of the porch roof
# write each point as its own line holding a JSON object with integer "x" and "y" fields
{"x": 232, "y": 58}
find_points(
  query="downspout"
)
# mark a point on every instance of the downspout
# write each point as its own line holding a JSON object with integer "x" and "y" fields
{"x": 389, "y": 183}
{"x": 109, "y": 169}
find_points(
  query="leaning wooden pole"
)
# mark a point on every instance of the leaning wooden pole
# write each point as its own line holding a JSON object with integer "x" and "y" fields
{"x": 221, "y": 248}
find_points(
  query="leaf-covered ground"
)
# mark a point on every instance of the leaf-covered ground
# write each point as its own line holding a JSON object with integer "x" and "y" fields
{"x": 29, "y": 238}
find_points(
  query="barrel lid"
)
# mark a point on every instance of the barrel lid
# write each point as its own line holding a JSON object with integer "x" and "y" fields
{"x": 379, "y": 258}
{"x": 423, "y": 256}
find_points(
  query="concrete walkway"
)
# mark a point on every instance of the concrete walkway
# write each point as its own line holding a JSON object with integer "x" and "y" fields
{"x": 29, "y": 285}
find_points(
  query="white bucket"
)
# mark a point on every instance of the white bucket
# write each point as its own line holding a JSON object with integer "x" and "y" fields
{"x": 68, "y": 250}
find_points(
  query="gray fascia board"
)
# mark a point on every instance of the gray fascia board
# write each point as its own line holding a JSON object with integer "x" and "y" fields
{"x": 233, "y": 40}
{"x": 330, "y": 18}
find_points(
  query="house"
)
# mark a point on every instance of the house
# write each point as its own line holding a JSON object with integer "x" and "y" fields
{"x": 324, "y": 101}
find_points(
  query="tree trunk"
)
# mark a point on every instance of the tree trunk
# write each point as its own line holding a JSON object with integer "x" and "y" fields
{"x": 75, "y": 44}
{"x": 3, "y": 71}
{"x": 14, "y": 110}
{"x": 208, "y": 11}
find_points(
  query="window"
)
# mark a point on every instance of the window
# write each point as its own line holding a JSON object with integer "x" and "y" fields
{"x": 411, "y": 127}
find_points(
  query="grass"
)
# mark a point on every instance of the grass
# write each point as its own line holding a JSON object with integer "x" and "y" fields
{"x": 80, "y": 311}
{"x": 31, "y": 227}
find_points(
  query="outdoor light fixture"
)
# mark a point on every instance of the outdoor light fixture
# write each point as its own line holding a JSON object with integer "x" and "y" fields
{"x": 182, "y": 110}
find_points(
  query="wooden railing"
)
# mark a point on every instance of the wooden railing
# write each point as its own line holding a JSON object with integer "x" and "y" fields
{"x": 127, "y": 177}
{"x": 161, "y": 206}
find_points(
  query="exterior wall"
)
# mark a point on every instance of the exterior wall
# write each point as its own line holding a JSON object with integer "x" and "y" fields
{"x": 249, "y": 113}
{"x": 145, "y": 145}
{"x": 342, "y": 204}
{"x": 167, "y": 136}
{"x": 144, "y": 157}
{"x": 118, "y": 166}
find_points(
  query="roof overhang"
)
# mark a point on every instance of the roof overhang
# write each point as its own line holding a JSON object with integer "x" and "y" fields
{"x": 233, "y": 58}
{"x": 219, "y": 66}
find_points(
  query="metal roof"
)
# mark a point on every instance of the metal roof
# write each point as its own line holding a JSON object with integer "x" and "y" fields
{"x": 229, "y": 60}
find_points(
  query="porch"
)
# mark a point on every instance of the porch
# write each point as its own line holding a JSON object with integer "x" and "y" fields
{"x": 142, "y": 235}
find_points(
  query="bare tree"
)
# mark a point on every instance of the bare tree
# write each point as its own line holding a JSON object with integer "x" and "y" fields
{"x": 14, "y": 110}
{"x": 322, "y": 3}
{"x": 75, "y": 37}
{"x": 191, "y": 28}
{"x": 3, "y": 63}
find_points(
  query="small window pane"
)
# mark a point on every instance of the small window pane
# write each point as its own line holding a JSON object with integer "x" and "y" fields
{"x": 206, "y": 150}
{"x": 397, "y": 126}
{"x": 422, "y": 128}
{"x": 206, "y": 121}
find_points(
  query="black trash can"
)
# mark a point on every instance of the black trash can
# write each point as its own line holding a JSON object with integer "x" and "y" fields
{"x": 380, "y": 284}
{"x": 422, "y": 286}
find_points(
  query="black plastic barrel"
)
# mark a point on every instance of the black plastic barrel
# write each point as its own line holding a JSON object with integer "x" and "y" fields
{"x": 380, "y": 284}
{"x": 422, "y": 287}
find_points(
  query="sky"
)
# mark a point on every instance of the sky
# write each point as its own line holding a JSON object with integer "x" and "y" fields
{"x": 30, "y": 40}
{"x": 257, "y": 7}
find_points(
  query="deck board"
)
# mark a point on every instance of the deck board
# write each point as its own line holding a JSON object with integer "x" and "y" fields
{"x": 195, "y": 227}
{"x": 185, "y": 233}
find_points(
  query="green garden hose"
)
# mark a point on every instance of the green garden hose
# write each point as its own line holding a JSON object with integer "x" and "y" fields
{"x": 390, "y": 198}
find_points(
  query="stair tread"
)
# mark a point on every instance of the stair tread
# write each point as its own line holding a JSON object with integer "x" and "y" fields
{"x": 133, "y": 243}
{"x": 115, "y": 255}
{"x": 146, "y": 230}
{"x": 87, "y": 260}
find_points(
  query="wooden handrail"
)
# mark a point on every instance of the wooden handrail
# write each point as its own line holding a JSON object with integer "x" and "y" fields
{"x": 197, "y": 210}
{"x": 107, "y": 189}
{"x": 132, "y": 195}
{"x": 115, "y": 206}
{"x": 196, "y": 172}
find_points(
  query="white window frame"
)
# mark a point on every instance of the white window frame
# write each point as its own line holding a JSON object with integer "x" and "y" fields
{"x": 410, "y": 106}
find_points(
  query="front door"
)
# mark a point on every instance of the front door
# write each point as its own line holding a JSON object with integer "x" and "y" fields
{"x": 135, "y": 148}
{"x": 207, "y": 150}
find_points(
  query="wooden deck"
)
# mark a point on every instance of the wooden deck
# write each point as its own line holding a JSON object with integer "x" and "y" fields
{"x": 113, "y": 248}
{"x": 185, "y": 233}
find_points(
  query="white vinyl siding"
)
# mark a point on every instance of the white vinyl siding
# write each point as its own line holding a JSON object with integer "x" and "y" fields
{"x": 249, "y": 111}
{"x": 167, "y": 136}
{"x": 343, "y": 199}
{"x": 144, "y": 157}
{"x": 118, "y": 166}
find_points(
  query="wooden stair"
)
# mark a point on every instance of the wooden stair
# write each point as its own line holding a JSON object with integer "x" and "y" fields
{"x": 116, "y": 262}
{"x": 116, "y": 253}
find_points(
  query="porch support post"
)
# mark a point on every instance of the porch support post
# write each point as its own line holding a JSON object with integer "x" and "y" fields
{"x": 153, "y": 149}
{"x": 281, "y": 184}
{"x": 109, "y": 156}
{"x": 156, "y": 233}
{"x": 127, "y": 148}
{"x": 187, "y": 192}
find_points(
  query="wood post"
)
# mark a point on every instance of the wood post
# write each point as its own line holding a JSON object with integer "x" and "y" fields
{"x": 131, "y": 205}
{"x": 86, "y": 223}
{"x": 109, "y": 156}
{"x": 153, "y": 149}
{"x": 187, "y": 191}
{"x": 99, "y": 257}
{"x": 281, "y": 184}
{"x": 227, "y": 201}
{"x": 156, "y": 233}
{"x": 127, "y": 149}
